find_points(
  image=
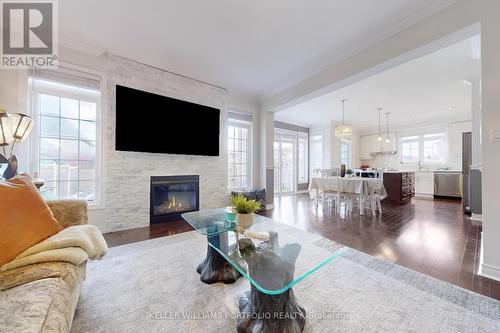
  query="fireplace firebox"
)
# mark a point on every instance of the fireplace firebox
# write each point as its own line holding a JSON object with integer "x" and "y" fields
{"x": 173, "y": 195}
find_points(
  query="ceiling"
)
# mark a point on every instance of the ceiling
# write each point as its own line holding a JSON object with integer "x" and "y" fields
{"x": 425, "y": 90}
{"x": 253, "y": 48}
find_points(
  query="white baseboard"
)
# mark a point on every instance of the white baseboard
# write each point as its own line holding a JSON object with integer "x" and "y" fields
{"x": 428, "y": 196}
{"x": 476, "y": 217}
{"x": 490, "y": 271}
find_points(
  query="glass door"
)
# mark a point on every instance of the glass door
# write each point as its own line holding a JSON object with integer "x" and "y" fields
{"x": 284, "y": 162}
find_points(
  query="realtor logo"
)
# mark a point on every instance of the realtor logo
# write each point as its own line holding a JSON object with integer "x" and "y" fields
{"x": 29, "y": 34}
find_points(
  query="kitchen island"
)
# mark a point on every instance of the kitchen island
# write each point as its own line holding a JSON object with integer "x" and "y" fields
{"x": 400, "y": 186}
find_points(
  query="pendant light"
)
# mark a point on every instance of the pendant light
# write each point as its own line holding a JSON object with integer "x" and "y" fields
{"x": 379, "y": 138}
{"x": 343, "y": 132}
{"x": 387, "y": 127}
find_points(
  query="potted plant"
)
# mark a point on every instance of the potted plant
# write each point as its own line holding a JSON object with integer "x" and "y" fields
{"x": 244, "y": 209}
{"x": 348, "y": 173}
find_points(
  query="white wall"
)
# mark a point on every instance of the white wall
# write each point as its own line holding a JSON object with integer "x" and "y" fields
{"x": 490, "y": 120}
{"x": 459, "y": 20}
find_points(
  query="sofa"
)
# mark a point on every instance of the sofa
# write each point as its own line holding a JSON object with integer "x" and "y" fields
{"x": 43, "y": 297}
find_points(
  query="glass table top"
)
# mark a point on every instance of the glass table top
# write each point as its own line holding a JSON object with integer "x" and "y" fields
{"x": 272, "y": 266}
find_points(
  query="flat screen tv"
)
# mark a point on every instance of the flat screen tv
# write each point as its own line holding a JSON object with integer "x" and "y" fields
{"x": 152, "y": 123}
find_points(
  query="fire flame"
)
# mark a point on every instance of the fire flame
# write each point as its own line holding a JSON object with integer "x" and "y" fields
{"x": 172, "y": 204}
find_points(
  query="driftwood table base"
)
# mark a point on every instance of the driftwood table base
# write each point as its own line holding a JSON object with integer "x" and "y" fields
{"x": 216, "y": 269}
{"x": 262, "y": 313}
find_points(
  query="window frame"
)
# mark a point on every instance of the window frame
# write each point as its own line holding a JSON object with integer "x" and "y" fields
{"x": 420, "y": 138}
{"x": 305, "y": 136}
{"x": 414, "y": 139}
{"x": 71, "y": 93}
{"x": 349, "y": 148}
{"x": 249, "y": 126}
{"x": 316, "y": 138}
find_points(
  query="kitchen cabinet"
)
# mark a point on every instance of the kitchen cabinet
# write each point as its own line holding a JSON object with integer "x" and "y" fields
{"x": 369, "y": 145}
{"x": 424, "y": 183}
{"x": 365, "y": 147}
{"x": 400, "y": 186}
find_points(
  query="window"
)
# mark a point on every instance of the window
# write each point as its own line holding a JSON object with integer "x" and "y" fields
{"x": 303, "y": 158}
{"x": 434, "y": 148}
{"x": 409, "y": 149}
{"x": 67, "y": 140}
{"x": 429, "y": 147}
{"x": 239, "y": 154}
{"x": 345, "y": 154}
{"x": 316, "y": 152}
{"x": 291, "y": 158}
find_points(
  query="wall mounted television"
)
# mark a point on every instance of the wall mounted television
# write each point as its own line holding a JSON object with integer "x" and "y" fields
{"x": 147, "y": 122}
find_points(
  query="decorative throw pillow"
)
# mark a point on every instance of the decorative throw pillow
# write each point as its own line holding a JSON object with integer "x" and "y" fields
{"x": 25, "y": 218}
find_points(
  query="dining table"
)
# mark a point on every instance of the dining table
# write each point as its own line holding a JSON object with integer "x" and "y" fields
{"x": 361, "y": 186}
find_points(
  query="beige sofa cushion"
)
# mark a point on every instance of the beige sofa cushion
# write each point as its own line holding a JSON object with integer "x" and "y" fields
{"x": 44, "y": 305}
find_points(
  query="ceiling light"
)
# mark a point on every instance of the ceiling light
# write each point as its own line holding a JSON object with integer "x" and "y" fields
{"x": 379, "y": 138}
{"x": 387, "y": 128}
{"x": 343, "y": 132}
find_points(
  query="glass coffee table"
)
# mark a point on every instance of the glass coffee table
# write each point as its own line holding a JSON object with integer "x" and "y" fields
{"x": 272, "y": 266}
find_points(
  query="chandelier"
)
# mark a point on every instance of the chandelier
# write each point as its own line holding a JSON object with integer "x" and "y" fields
{"x": 343, "y": 132}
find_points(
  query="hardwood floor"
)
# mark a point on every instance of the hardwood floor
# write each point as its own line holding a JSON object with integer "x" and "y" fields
{"x": 433, "y": 237}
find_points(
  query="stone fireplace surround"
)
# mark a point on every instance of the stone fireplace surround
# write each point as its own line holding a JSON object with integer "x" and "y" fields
{"x": 127, "y": 174}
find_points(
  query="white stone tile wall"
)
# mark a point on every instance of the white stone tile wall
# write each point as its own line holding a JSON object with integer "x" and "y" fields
{"x": 127, "y": 174}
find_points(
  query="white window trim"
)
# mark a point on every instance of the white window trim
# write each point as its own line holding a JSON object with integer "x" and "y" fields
{"x": 288, "y": 134}
{"x": 349, "y": 154}
{"x": 307, "y": 172}
{"x": 311, "y": 142}
{"x": 100, "y": 130}
{"x": 420, "y": 140}
{"x": 249, "y": 126}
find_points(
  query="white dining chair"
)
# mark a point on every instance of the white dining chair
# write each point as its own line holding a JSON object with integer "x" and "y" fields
{"x": 342, "y": 195}
{"x": 374, "y": 198}
{"x": 316, "y": 172}
{"x": 328, "y": 191}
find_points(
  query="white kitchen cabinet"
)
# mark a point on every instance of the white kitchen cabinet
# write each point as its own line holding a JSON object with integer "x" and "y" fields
{"x": 375, "y": 145}
{"x": 424, "y": 183}
{"x": 365, "y": 147}
{"x": 369, "y": 145}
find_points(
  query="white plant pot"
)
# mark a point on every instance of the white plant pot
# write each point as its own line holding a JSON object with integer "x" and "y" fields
{"x": 244, "y": 221}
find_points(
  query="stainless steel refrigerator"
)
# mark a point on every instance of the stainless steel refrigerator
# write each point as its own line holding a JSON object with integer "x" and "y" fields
{"x": 472, "y": 202}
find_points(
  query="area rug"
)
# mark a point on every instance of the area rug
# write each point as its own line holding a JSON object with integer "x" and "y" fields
{"x": 152, "y": 286}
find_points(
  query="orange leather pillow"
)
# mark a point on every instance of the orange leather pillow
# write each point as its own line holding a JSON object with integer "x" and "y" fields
{"x": 25, "y": 218}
